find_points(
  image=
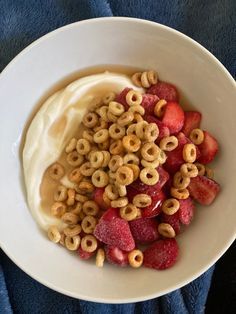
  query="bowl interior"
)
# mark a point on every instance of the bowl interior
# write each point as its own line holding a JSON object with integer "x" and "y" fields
{"x": 203, "y": 83}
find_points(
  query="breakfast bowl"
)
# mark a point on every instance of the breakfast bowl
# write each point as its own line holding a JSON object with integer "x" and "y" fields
{"x": 54, "y": 60}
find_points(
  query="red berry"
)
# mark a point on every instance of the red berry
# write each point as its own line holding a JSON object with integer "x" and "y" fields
{"x": 208, "y": 149}
{"x": 165, "y": 91}
{"x": 154, "y": 209}
{"x": 161, "y": 254}
{"x": 149, "y": 101}
{"x": 163, "y": 130}
{"x": 173, "y": 117}
{"x": 110, "y": 214}
{"x": 116, "y": 256}
{"x": 173, "y": 220}
{"x": 203, "y": 190}
{"x": 192, "y": 120}
{"x": 121, "y": 98}
{"x": 84, "y": 255}
{"x": 186, "y": 211}
{"x": 98, "y": 198}
{"x": 144, "y": 230}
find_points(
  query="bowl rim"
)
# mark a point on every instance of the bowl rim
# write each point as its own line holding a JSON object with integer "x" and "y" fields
{"x": 230, "y": 240}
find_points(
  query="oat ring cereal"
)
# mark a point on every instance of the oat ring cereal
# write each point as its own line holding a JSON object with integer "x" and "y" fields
{"x": 121, "y": 189}
{"x": 189, "y": 153}
{"x": 135, "y": 258}
{"x": 90, "y": 119}
{"x": 83, "y": 146}
{"x": 137, "y": 118}
{"x": 149, "y": 176}
{"x": 140, "y": 129}
{"x": 115, "y": 162}
{"x": 170, "y": 206}
{"x": 58, "y": 209}
{"x": 189, "y": 170}
{"x": 120, "y": 202}
{"x": 71, "y": 145}
{"x": 169, "y": 143}
{"x": 85, "y": 187}
{"x": 116, "y": 131}
{"x": 101, "y": 136}
{"x": 124, "y": 175}
{"x": 136, "y": 79}
{"x": 102, "y": 124}
{"x": 74, "y": 159}
{"x": 54, "y": 234}
{"x": 111, "y": 117}
{"x": 56, "y": 171}
{"x": 197, "y": 136}
{"x": 100, "y": 178}
{"x": 162, "y": 157}
{"x": 72, "y": 231}
{"x": 180, "y": 194}
{"x": 144, "y": 80}
{"x": 131, "y": 143}
{"x": 71, "y": 197}
{"x": 60, "y": 194}
{"x": 129, "y": 212}
{"x": 134, "y": 98}
{"x": 131, "y": 129}
{"x": 75, "y": 175}
{"x": 70, "y": 218}
{"x": 102, "y": 112}
{"x": 151, "y": 132}
{"x": 209, "y": 172}
{"x": 116, "y": 148}
{"x": 86, "y": 169}
{"x": 116, "y": 108}
{"x": 88, "y": 224}
{"x": 142, "y": 200}
{"x": 96, "y": 159}
{"x": 111, "y": 192}
{"x": 108, "y": 98}
{"x": 126, "y": 118}
{"x": 150, "y": 151}
{"x": 179, "y": 181}
{"x": 152, "y": 164}
{"x": 201, "y": 168}
{"x": 88, "y": 135}
{"x": 100, "y": 257}
{"x": 89, "y": 243}
{"x": 72, "y": 243}
{"x": 90, "y": 208}
{"x": 106, "y": 158}
{"x": 160, "y": 108}
{"x": 137, "y": 108}
{"x": 131, "y": 158}
{"x": 166, "y": 230}
{"x": 77, "y": 209}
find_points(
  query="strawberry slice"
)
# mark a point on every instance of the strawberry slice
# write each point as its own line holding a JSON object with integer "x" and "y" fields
{"x": 116, "y": 256}
{"x": 203, "y": 190}
{"x": 162, "y": 254}
{"x": 154, "y": 209}
{"x": 149, "y": 101}
{"x": 186, "y": 211}
{"x": 165, "y": 91}
{"x": 98, "y": 198}
{"x": 144, "y": 230}
{"x": 121, "y": 98}
{"x": 114, "y": 231}
{"x": 192, "y": 120}
{"x": 173, "y": 117}
{"x": 208, "y": 148}
{"x": 84, "y": 255}
{"x": 173, "y": 220}
{"x": 163, "y": 130}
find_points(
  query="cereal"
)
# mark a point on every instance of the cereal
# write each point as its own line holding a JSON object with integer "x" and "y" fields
{"x": 131, "y": 129}
{"x": 116, "y": 148}
{"x": 71, "y": 197}
{"x": 170, "y": 206}
{"x": 144, "y": 80}
{"x": 106, "y": 158}
{"x": 72, "y": 231}
{"x": 111, "y": 192}
{"x": 133, "y": 98}
{"x": 70, "y": 218}
{"x": 106, "y": 200}
{"x": 74, "y": 159}
{"x": 86, "y": 169}
{"x": 76, "y": 209}
{"x": 56, "y": 171}
{"x": 105, "y": 145}
{"x": 189, "y": 170}
{"x": 102, "y": 124}
{"x": 126, "y": 118}
{"x": 129, "y": 212}
{"x": 150, "y": 151}
{"x": 168, "y": 143}
{"x": 120, "y": 202}
{"x": 180, "y": 194}
{"x": 71, "y": 145}
{"x": 166, "y": 230}
{"x": 121, "y": 189}
{"x": 137, "y": 118}
{"x": 54, "y": 234}
{"x": 111, "y": 117}
{"x": 135, "y": 258}
{"x": 83, "y": 146}
{"x": 116, "y": 108}
{"x": 101, "y": 136}
{"x": 72, "y": 243}
{"x": 140, "y": 129}
{"x": 81, "y": 198}
{"x": 100, "y": 257}
{"x": 89, "y": 243}
{"x": 88, "y": 224}
{"x": 162, "y": 157}
{"x": 152, "y": 77}
{"x": 102, "y": 112}
{"x": 201, "y": 168}
{"x": 124, "y": 175}
{"x": 108, "y": 97}
{"x": 60, "y": 194}
{"x": 137, "y": 108}
{"x": 88, "y": 135}
{"x": 131, "y": 143}
{"x": 90, "y": 120}
{"x": 150, "y": 164}
{"x": 115, "y": 162}
{"x": 179, "y": 181}
{"x": 136, "y": 79}
{"x": 189, "y": 153}
{"x": 116, "y": 131}
{"x": 135, "y": 169}
{"x": 160, "y": 108}
{"x": 58, "y": 209}
{"x": 131, "y": 158}
{"x": 85, "y": 187}
{"x": 151, "y": 132}
{"x": 197, "y": 136}
{"x": 90, "y": 208}
{"x": 96, "y": 159}
{"x": 149, "y": 176}
{"x": 209, "y": 172}
{"x": 75, "y": 175}
{"x": 100, "y": 178}
{"x": 142, "y": 200}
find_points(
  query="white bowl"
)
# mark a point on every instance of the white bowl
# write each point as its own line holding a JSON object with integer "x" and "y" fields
{"x": 202, "y": 80}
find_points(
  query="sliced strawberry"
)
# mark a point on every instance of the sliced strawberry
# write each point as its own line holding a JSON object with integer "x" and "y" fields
{"x": 121, "y": 98}
{"x": 84, "y": 255}
{"x": 186, "y": 211}
{"x": 116, "y": 256}
{"x": 173, "y": 117}
{"x": 192, "y": 120}
{"x": 114, "y": 231}
{"x": 173, "y": 220}
{"x": 154, "y": 209}
{"x": 208, "y": 148}
{"x": 165, "y": 91}
{"x": 98, "y": 198}
{"x": 203, "y": 190}
{"x": 149, "y": 102}
{"x": 163, "y": 130}
{"x": 162, "y": 254}
{"x": 144, "y": 230}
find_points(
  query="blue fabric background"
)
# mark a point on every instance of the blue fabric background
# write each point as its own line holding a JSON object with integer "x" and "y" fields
{"x": 211, "y": 23}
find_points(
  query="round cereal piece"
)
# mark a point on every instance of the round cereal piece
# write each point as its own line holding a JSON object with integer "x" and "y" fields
{"x": 168, "y": 143}
{"x": 102, "y": 112}
{"x": 197, "y": 136}
{"x": 89, "y": 243}
{"x": 108, "y": 97}
{"x": 152, "y": 77}
{"x": 116, "y": 108}
{"x": 120, "y": 202}
{"x": 106, "y": 158}
{"x": 83, "y": 146}
{"x": 125, "y": 119}
{"x": 111, "y": 192}
{"x": 144, "y": 80}
{"x": 189, "y": 170}
{"x": 136, "y": 79}
{"x": 149, "y": 176}
{"x": 88, "y": 224}
{"x": 100, "y": 257}
{"x": 133, "y": 98}
{"x": 151, "y": 132}
{"x": 116, "y": 131}
{"x": 100, "y": 178}
{"x": 96, "y": 159}
{"x": 72, "y": 231}
{"x": 71, "y": 145}
{"x": 70, "y": 218}
{"x": 56, "y": 171}
{"x": 90, "y": 208}
{"x": 140, "y": 129}
{"x": 72, "y": 243}
{"x": 86, "y": 169}
{"x": 104, "y": 146}
{"x": 201, "y": 168}
{"x": 150, "y": 151}
{"x": 179, "y": 181}
{"x": 76, "y": 209}
{"x": 60, "y": 193}
{"x": 58, "y": 209}
{"x": 131, "y": 158}
{"x": 106, "y": 200}
{"x": 124, "y": 175}
{"x": 81, "y": 198}
{"x": 90, "y": 120}
{"x": 180, "y": 194}
{"x": 111, "y": 117}
{"x": 160, "y": 108}
{"x": 135, "y": 258}
{"x": 189, "y": 153}
{"x": 95, "y": 103}
{"x": 74, "y": 159}
{"x": 137, "y": 108}
{"x": 62, "y": 240}
{"x": 115, "y": 162}
{"x": 166, "y": 230}
{"x": 162, "y": 157}
{"x": 101, "y": 136}
{"x": 131, "y": 143}
{"x": 85, "y": 187}
{"x": 142, "y": 200}
{"x": 71, "y": 197}
{"x": 75, "y": 175}
{"x": 128, "y": 212}
{"x": 150, "y": 164}
{"x": 121, "y": 189}
{"x": 88, "y": 135}
{"x": 137, "y": 118}
{"x": 135, "y": 169}
{"x": 131, "y": 129}
{"x": 170, "y": 206}
{"x": 102, "y": 124}
{"x": 112, "y": 174}
{"x": 54, "y": 234}
{"x": 209, "y": 172}
{"x": 81, "y": 216}
{"x": 116, "y": 148}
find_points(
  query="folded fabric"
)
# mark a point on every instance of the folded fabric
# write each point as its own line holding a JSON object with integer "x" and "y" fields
{"x": 21, "y": 22}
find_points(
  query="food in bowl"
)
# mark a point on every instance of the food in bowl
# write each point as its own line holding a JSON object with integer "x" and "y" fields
{"x": 113, "y": 162}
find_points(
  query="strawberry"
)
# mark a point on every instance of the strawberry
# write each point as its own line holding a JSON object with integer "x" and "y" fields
{"x": 173, "y": 220}
{"x": 114, "y": 231}
{"x": 84, "y": 255}
{"x": 203, "y": 190}
{"x": 208, "y": 148}
{"x": 173, "y": 117}
{"x": 154, "y": 209}
{"x": 144, "y": 230}
{"x": 116, "y": 256}
{"x": 165, "y": 91}
{"x": 149, "y": 101}
{"x": 192, "y": 120}
{"x": 163, "y": 130}
{"x": 98, "y": 198}
{"x": 186, "y": 211}
{"x": 161, "y": 254}
{"x": 121, "y": 98}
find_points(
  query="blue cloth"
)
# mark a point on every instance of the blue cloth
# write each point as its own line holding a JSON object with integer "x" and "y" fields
{"x": 211, "y": 23}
